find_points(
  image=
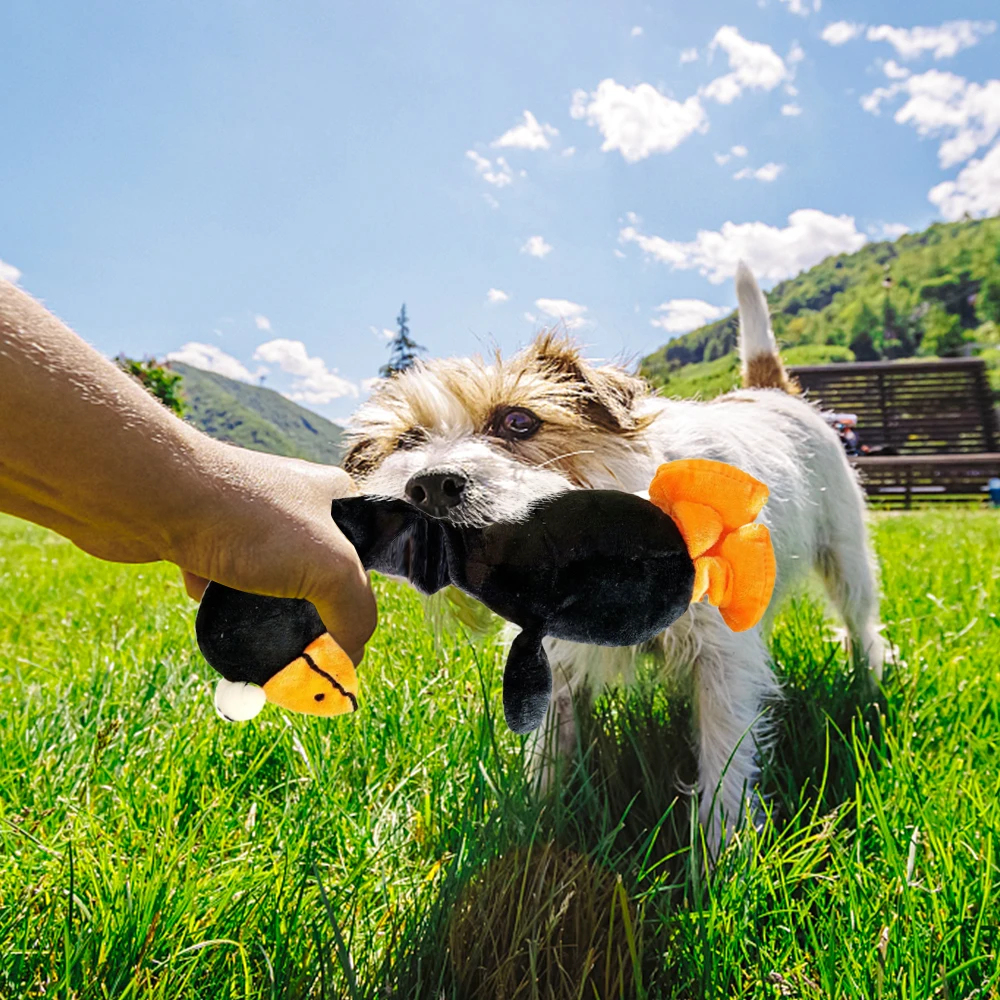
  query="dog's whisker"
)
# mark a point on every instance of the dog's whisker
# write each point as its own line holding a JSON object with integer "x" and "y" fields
{"x": 559, "y": 458}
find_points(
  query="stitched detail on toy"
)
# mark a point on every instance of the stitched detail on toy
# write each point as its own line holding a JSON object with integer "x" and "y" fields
{"x": 340, "y": 687}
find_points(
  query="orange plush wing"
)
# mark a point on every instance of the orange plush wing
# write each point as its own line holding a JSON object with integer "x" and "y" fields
{"x": 714, "y": 506}
{"x": 733, "y": 494}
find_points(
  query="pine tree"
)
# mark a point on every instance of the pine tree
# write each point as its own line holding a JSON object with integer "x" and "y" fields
{"x": 403, "y": 349}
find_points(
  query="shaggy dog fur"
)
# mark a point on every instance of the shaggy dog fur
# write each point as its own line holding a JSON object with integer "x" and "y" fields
{"x": 512, "y": 431}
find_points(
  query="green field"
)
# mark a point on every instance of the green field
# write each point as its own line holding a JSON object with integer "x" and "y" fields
{"x": 149, "y": 850}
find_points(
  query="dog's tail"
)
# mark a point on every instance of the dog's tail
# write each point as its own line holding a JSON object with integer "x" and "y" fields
{"x": 762, "y": 367}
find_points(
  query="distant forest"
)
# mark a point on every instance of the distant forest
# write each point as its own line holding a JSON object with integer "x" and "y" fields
{"x": 929, "y": 294}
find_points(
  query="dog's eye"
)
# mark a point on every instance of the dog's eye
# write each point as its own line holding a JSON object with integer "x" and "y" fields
{"x": 515, "y": 424}
{"x": 413, "y": 438}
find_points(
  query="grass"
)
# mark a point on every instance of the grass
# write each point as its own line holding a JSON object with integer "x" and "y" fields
{"x": 149, "y": 850}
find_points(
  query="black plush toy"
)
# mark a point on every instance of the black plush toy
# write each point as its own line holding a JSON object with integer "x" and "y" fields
{"x": 594, "y": 566}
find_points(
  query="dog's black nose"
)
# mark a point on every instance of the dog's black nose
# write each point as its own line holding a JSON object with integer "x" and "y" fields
{"x": 436, "y": 493}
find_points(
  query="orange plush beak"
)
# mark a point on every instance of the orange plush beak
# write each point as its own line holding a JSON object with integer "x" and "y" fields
{"x": 714, "y": 506}
{"x": 321, "y": 681}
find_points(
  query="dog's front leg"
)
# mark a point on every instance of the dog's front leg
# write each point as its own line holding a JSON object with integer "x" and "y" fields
{"x": 733, "y": 688}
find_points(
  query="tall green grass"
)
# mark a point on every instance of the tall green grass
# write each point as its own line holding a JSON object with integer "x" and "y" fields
{"x": 149, "y": 850}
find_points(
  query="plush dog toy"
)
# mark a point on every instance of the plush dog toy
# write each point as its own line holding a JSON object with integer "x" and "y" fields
{"x": 595, "y": 566}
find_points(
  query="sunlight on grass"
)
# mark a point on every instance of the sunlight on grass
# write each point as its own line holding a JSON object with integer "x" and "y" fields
{"x": 149, "y": 850}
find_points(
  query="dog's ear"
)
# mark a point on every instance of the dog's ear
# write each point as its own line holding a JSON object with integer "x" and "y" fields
{"x": 607, "y": 395}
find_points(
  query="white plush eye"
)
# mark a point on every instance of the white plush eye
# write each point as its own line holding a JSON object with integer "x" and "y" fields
{"x": 236, "y": 701}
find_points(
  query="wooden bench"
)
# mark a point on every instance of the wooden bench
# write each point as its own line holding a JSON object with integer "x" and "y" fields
{"x": 935, "y": 417}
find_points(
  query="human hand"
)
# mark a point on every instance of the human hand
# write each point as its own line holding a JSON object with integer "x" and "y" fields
{"x": 266, "y": 529}
{"x": 87, "y": 452}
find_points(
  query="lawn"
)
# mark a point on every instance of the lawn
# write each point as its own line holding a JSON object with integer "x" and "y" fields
{"x": 148, "y": 849}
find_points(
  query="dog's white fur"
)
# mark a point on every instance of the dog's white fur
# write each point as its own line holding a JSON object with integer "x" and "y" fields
{"x": 815, "y": 513}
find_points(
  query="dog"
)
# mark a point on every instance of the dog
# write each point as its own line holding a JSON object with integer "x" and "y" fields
{"x": 474, "y": 441}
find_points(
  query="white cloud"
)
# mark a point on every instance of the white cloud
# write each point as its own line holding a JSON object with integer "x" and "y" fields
{"x": 638, "y": 121}
{"x": 796, "y": 7}
{"x": 767, "y": 173}
{"x": 888, "y": 230}
{"x": 262, "y": 322}
{"x": 536, "y": 247}
{"x": 723, "y": 158}
{"x": 499, "y": 176}
{"x": 636, "y": 31}
{"x": 724, "y": 89}
{"x": 383, "y": 333}
{"x": 976, "y": 190}
{"x": 210, "y": 358}
{"x": 314, "y": 382}
{"x": 530, "y": 317}
{"x": 529, "y": 134}
{"x": 894, "y": 71}
{"x": 791, "y": 110}
{"x": 795, "y": 54}
{"x": 840, "y": 32}
{"x": 490, "y": 200}
{"x": 570, "y": 314}
{"x": 966, "y": 116}
{"x": 367, "y": 385}
{"x": 9, "y": 273}
{"x": 872, "y": 103}
{"x": 772, "y": 253}
{"x": 682, "y": 315}
{"x": 618, "y": 253}
{"x": 689, "y": 55}
{"x": 942, "y": 41}
{"x": 752, "y": 65}
{"x": 494, "y": 296}
{"x": 568, "y": 151}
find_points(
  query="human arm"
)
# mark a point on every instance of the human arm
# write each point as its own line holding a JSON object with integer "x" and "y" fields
{"x": 87, "y": 452}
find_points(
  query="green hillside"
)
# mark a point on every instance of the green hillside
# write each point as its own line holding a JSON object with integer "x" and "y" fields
{"x": 929, "y": 294}
{"x": 256, "y": 418}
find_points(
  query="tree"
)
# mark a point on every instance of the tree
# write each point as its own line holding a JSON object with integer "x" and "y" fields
{"x": 158, "y": 381}
{"x": 989, "y": 298}
{"x": 403, "y": 349}
{"x": 944, "y": 336}
{"x": 863, "y": 334}
{"x": 897, "y": 339}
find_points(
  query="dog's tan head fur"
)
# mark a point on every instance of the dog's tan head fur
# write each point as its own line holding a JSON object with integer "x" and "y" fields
{"x": 542, "y": 421}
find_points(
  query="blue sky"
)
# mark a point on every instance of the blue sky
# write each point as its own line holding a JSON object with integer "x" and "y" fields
{"x": 258, "y": 186}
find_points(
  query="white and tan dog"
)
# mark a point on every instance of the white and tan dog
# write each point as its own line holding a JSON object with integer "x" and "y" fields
{"x": 476, "y": 441}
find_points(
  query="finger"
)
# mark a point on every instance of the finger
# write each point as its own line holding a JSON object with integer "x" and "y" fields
{"x": 356, "y": 655}
{"x": 194, "y": 585}
{"x": 349, "y": 612}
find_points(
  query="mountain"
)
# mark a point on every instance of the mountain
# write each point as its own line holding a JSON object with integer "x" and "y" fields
{"x": 256, "y": 418}
{"x": 929, "y": 294}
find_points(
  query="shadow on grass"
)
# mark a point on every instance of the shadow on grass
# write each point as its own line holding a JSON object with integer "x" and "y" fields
{"x": 575, "y": 892}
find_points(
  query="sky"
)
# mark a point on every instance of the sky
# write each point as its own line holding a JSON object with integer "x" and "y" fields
{"x": 256, "y": 187}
